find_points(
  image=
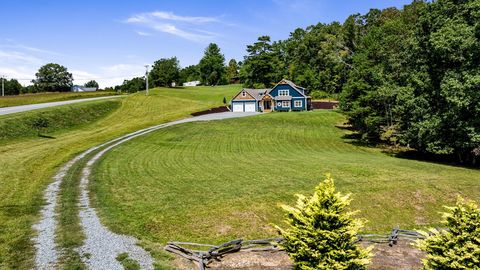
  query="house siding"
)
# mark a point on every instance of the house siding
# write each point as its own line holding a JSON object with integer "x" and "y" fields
{"x": 301, "y": 108}
{"x": 293, "y": 93}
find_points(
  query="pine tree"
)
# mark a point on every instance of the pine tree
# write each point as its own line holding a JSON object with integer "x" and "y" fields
{"x": 459, "y": 246}
{"x": 321, "y": 233}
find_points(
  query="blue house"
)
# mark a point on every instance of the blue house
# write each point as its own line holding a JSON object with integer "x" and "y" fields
{"x": 285, "y": 96}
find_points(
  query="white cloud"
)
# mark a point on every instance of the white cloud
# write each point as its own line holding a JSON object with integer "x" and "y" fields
{"x": 145, "y": 34}
{"x": 162, "y": 15}
{"x": 21, "y": 62}
{"x": 12, "y": 44}
{"x": 15, "y": 57}
{"x": 168, "y": 22}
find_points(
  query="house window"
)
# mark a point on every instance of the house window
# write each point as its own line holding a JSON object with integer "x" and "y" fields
{"x": 286, "y": 104}
{"x": 244, "y": 94}
{"x": 283, "y": 92}
{"x": 297, "y": 103}
{"x": 279, "y": 104}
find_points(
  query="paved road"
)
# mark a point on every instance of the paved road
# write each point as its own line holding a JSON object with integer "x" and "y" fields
{"x": 24, "y": 108}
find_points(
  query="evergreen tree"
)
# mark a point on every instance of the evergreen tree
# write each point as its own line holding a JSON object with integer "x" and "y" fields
{"x": 212, "y": 65}
{"x": 232, "y": 70}
{"x": 259, "y": 65}
{"x": 459, "y": 246}
{"x": 321, "y": 233}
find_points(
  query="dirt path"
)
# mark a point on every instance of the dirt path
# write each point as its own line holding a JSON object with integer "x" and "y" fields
{"x": 101, "y": 246}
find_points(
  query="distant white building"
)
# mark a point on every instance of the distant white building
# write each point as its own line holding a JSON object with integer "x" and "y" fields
{"x": 192, "y": 83}
{"x": 79, "y": 88}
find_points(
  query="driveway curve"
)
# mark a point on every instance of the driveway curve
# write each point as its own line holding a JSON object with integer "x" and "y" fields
{"x": 30, "y": 107}
{"x": 101, "y": 246}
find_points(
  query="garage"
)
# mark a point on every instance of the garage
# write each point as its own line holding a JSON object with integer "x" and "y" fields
{"x": 249, "y": 106}
{"x": 244, "y": 107}
{"x": 237, "y": 107}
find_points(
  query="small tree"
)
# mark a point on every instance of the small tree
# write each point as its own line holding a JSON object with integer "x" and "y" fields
{"x": 224, "y": 100}
{"x": 459, "y": 246}
{"x": 40, "y": 123}
{"x": 321, "y": 233}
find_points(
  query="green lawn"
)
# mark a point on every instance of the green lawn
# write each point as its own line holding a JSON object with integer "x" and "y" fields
{"x": 216, "y": 181}
{"x": 19, "y": 126}
{"x": 27, "y": 165}
{"x": 25, "y": 99}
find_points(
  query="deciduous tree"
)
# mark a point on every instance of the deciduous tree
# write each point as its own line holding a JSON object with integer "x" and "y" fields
{"x": 52, "y": 78}
{"x": 91, "y": 83}
{"x": 164, "y": 72}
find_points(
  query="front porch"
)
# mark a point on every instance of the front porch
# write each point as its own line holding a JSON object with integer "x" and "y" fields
{"x": 266, "y": 103}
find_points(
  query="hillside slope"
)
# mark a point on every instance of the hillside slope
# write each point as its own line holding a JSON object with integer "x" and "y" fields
{"x": 216, "y": 181}
{"x": 26, "y": 166}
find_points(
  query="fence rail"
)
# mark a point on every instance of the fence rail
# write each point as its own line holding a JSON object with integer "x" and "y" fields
{"x": 203, "y": 258}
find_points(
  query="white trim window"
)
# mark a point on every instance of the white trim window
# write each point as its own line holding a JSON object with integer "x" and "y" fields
{"x": 283, "y": 92}
{"x": 279, "y": 104}
{"x": 297, "y": 103}
{"x": 285, "y": 104}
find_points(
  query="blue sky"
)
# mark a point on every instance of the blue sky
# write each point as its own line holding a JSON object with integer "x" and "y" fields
{"x": 110, "y": 40}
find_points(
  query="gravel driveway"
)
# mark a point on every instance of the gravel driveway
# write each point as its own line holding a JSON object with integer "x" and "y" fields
{"x": 101, "y": 246}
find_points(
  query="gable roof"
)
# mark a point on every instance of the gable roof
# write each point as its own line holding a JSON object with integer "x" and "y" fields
{"x": 299, "y": 89}
{"x": 257, "y": 94}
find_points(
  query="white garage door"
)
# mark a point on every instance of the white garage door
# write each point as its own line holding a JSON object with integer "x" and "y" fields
{"x": 249, "y": 107}
{"x": 238, "y": 107}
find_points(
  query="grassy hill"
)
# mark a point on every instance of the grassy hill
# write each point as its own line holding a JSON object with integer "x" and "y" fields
{"x": 60, "y": 118}
{"x": 216, "y": 181}
{"x": 27, "y": 165}
{"x": 25, "y": 99}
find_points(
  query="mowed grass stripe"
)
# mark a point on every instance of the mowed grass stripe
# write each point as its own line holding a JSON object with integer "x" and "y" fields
{"x": 27, "y": 165}
{"x": 215, "y": 181}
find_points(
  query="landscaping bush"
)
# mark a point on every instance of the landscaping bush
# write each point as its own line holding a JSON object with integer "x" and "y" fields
{"x": 459, "y": 246}
{"x": 321, "y": 232}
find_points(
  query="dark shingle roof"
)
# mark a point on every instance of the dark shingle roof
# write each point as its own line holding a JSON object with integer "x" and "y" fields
{"x": 256, "y": 93}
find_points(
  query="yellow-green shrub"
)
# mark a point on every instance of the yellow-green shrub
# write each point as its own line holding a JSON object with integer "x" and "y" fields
{"x": 459, "y": 246}
{"x": 321, "y": 232}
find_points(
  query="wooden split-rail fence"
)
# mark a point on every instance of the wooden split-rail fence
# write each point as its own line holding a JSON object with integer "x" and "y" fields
{"x": 203, "y": 258}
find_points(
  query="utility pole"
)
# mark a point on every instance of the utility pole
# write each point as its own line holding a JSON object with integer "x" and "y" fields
{"x": 146, "y": 79}
{"x": 3, "y": 86}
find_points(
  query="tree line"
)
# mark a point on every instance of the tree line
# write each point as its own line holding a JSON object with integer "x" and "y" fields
{"x": 49, "y": 78}
{"x": 408, "y": 77}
